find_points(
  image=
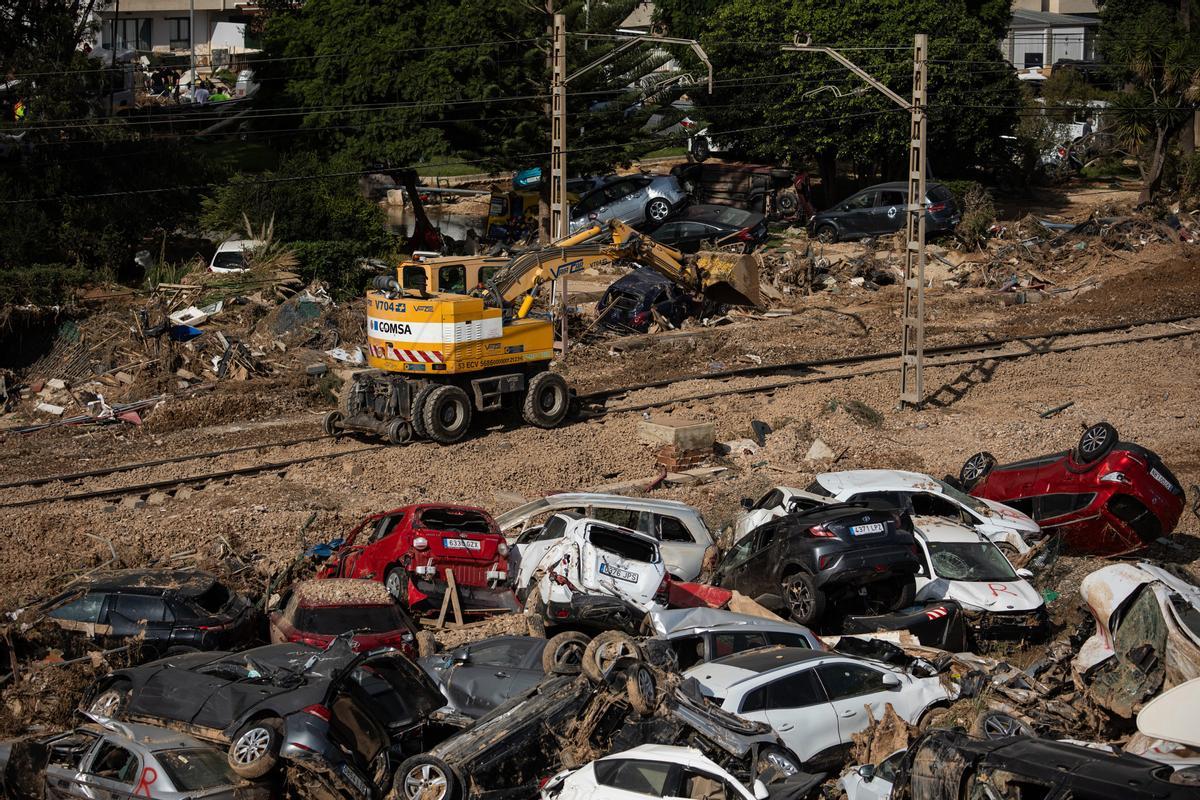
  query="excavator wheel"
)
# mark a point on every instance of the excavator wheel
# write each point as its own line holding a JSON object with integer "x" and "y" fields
{"x": 398, "y": 432}
{"x": 446, "y": 414}
{"x": 547, "y": 400}
{"x": 418, "y": 409}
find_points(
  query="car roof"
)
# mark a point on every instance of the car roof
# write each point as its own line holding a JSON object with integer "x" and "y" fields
{"x": 673, "y": 620}
{"x": 733, "y": 669}
{"x": 328, "y": 592}
{"x": 151, "y": 581}
{"x": 902, "y": 185}
{"x": 940, "y": 529}
{"x": 642, "y": 277}
{"x": 879, "y": 480}
{"x": 736, "y": 217}
{"x": 237, "y": 245}
{"x": 663, "y": 752}
{"x": 147, "y": 737}
{"x": 573, "y": 499}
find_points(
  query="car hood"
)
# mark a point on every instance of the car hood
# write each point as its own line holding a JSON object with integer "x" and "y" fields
{"x": 1008, "y": 517}
{"x": 1015, "y": 595}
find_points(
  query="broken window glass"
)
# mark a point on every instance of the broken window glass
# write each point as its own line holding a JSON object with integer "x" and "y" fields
{"x": 850, "y": 680}
{"x": 670, "y": 529}
{"x": 642, "y": 777}
{"x": 454, "y": 519}
{"x": 622, "y": 544}
{"x": 213, "y": 599}
{"x": 84, "y": 609}
{"x": 115, "y": 763}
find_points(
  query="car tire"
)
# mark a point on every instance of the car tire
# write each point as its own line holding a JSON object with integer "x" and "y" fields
{"x": 396, "y": 583}
{"x": 975, "y": 469}
{"x": 447, "y": 414}
{"x": 657, "y": 210}
{"x": 418, "y": 409}
{"x": 425, "y": 777}
{"x": 604, "y": 651}
{"x": 563, "y": 653}
{"x": 112, "y": 701}
{"x": 1095, "y": 443}
{"x": 787, "y": 203}
{"x": 427, "y": 644}
{"x": 642, "y": 689}
{"x": 826, "y": 234}
{"x": 332, "y": 423}
{"x": 547, "y": 400}
{"x": 775, "y": 760}
{"x": 999, "y": 724}
{"x": 700, "y": 150}
{"x": 805, "y": 602}
{"x": 254, "y": 749}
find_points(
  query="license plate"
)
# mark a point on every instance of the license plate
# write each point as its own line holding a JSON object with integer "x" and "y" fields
{"x": 618, "y": 573}
{"x": 863, "y": 530}
{"x": 1158, "y": 476}
{"x": 358, "y": 783}
{"x": 461, "y": 544}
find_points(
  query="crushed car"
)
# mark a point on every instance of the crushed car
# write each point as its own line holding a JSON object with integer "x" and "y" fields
{"x": 816, "y": 700}
{"x": 1102, "y": 497}
{"x": 155, "y": 611}
{"x": 802, "y": 562}
{"x": 290, "y": 701}
{"x": 684, "y": 538}
{"x": 699, "y": 635}
{"x": 409, "y": 550}
{"x": 871, "y": 781}
{"x": 1147, "y": 635}
{"x": 637, "y": 300}
{"x": 315, "y": 612}
{"x": 103, "y": 758}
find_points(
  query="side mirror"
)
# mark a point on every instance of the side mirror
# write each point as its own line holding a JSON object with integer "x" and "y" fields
{"x": 891, "y": 681}
{"x": 593, "y": 215}
{"x": 747, "y": 503}
{"x": 866, "y": 772}
{"x": 1024, "y": 573}
{"x": 461, "y": 656}
{"x": 760, "y": 790}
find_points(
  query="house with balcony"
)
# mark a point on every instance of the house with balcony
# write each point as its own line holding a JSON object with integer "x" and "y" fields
{"x": 1042, "y": 34}
{"x": 165, "y": 28}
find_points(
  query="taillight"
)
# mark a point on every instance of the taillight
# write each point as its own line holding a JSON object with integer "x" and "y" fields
{"x": 421, "y": 543}
{"x": 1062, "y": 152}
{"x": 502, "y": 549}
{"x": 319, "y": 711}
{"x": 821, "y": 532}
{"x": 641, "y": 318}
{"x": 663, "y": 592}
{"x": 937, "y": 207}
{"x": 744, "y": 235}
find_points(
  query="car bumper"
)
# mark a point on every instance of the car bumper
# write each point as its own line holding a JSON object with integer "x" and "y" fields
{"x": 595, "y": 611}
{"x": 866, "y": 566}
{"x": 1009, "y": 626}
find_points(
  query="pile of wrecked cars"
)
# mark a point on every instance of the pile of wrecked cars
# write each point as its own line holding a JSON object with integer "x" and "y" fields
{"x": 642, "y": 662}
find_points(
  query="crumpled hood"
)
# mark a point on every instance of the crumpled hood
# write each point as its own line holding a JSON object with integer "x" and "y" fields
{"x": 999, "y": 596}
{"x": 1010, "y": 517}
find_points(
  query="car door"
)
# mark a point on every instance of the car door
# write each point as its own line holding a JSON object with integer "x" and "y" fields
{"x": 621, "y": 201}
{"x": 114, "y": 772}
{"x": 145, "y": 616}
{"x": 732, "y": 572}
{"x": 887, "y": 213}
{"x": 852, "y": 688}
{"x": 492, "y": 671}
{"x": 854, "y": 216}
{"x": 69, "y": 752}
{"x": 669, "y": 234}
{"x": 751, "y": 574}
{"x": 82, "y": 614}
{"x": 797, "y": 707}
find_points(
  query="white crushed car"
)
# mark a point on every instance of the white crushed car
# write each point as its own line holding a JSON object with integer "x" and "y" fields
{"x": 961, "y": 564}
{"x": 815, "y": 701}
{"x": 705, "y": 634}
{"x": 871, "y": 781}
{"x": 683, "y": 537}
{"x": 914, "y": 492}
{"x": 231, "y": 255}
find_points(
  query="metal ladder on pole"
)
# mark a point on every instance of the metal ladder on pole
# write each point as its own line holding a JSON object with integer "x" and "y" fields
{"x": 912, "y": 382}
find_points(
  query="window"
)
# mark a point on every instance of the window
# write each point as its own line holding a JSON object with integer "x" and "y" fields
{"x": 68, "y": 750}
{"x": 861, "y": 201}
{"x": 892, "y": 499}
{"x": 789, "y": 640}
{"x": 850, "y": 680}
{"x": 670, "y": 529}
{"x": 507, "y": 652}
{"x": 702, "y": 786}
{"x": 453, "y": 279}
{"x": 691, "y": 229}
{"x": 766, "y": 535}
{"x": 415, "y": 278}
{"x": 689, "y": 651}
{"x": 771, "y": 499}
{"x": 726, "y": 644}
{"x": 799, "y": 690}
{"x": 891, "y": 198}
{"x": 385, "y": 527}
{"x": 739, "y": 554}
{"x": 622, "y": 544}
{"x": 1033, "y": 59}
{"x": 970, "y": 561}
{"x": 617, "y": 516}
{"x": 1024, "y": 505}
{"x": 553, "y": 529}
{"x": 933, "y": 505}
{"x": 486, "y": 274}
{"x": 142, "y": 608}
{"x": 213, "y": 599}
{"x": 1056, "y": 505}
{"x": 85, "y": 609}
{"x": 115, "y": 763}
{"x": 334, "y": 620}
{"x": 817, "y": 488}
{"x": 132, "y": 33}
{"x": 887, "y": 768}
{"x": 456, "y": 520}
{"x": 196, "y": 770}
{"x": 179, "y": 31}
{"x": 642, "y": 777}
{"x": 619, "y": 190}
{"x": 668, "y": 231}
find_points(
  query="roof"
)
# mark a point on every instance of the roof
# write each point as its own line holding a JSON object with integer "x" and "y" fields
{"x": 897, "y": 185}
{"x": 664, "y": 752}
{"x": 878, "y": 480}
{"x": 148, "y": 737}
{"x": 574, "y": 499}
{"x": 341, "y": 592}
{"x": 182, "y": 581}
{"x": 735, "y": 217}
{"x": 768, "y": 659}
{"x": 237, "y": 245}
{"x": 940, "y": 529}
{"x": 1049, "y": 19}
{"x": 673, "y": 620}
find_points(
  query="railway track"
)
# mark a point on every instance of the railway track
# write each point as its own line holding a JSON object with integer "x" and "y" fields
{"x": 594, "y": 404}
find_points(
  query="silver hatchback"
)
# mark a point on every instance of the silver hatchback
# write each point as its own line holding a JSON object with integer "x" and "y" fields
{"x": 633, "y": 199}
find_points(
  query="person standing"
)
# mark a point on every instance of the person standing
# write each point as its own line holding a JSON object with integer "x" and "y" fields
{"x": 201, "y": 94}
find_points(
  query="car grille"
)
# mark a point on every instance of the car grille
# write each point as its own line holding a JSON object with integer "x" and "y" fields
{"x": 465, "y": 573}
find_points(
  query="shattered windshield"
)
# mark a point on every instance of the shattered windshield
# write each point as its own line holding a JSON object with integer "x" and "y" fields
{"x": 970, "y": 561}
{"x": 973, "y": 503}
{"x": 196, "y": 770}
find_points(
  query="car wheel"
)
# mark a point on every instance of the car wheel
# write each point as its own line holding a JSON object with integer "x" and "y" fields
{"x": 604, "y": 651}
{"x": 975, "y": 469}
{"x": 112, "y": 701}
{"x": 1095, "y": 443}
{"x": 774, "y": 763}
{"x": 826, "y": 234}
{"x": 396, "y": 583}
{"x": 332, "y": 423}
{"x": 427, "y": 644}
{"x": 805, "y": 602}
{"x": 700, "y": 149}
{"x": 787, "y": 203}
{"x": 426, "y": 777}
{"x": 657, "y": 210}
{"x": 418, "y": 409}
{"x": 563, "y": 654}
{"x": 546, "y": 400}
{"x": 447, "y": 414}
{"x": 642, "y": 689}
{"x": 995, "y": 724}
{"x": 254, "y": 750}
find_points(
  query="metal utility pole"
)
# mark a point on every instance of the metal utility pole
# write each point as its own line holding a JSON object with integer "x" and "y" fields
{"x": 912, "y": 358}
{"x": 192, "y": 41}
{"x": 559, "y": 216}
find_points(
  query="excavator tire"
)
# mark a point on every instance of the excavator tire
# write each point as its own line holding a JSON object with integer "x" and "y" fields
{"x": 446, "y": 415}
{"x": 547, "y": 400}
{"x": 418, "y": 409}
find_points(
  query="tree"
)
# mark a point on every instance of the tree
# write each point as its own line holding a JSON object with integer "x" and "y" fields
{"x": 1159, "y": 59}
{"x": 801, "y": 106}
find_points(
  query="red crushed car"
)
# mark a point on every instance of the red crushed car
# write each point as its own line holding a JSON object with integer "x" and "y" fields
{"x": 1104, "y": 497}
{"x": 409, "y": 549}
{"x": 315, "y": 612}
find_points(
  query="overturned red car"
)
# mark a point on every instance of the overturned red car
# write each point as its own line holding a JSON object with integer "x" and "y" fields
{"x": 1104, "y": 497}
{"x": 315, "y": 612}
{"x": 411, "y": 548}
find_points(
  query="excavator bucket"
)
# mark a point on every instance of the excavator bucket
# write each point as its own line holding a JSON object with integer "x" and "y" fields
{"x": 730, "y": 278}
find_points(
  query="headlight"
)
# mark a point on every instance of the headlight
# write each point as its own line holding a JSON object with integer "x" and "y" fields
{"x": 421, "y": 543}
{"x": 1115, "y": 477}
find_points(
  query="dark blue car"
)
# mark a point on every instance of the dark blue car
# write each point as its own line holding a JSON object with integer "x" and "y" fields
{"x": 879, "y": 210}
{"x": 630, "y": 303}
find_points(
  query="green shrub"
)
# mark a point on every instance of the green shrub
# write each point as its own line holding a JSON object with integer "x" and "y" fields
{"x": 42, "y": 284}
{"x": 336, "y": 263}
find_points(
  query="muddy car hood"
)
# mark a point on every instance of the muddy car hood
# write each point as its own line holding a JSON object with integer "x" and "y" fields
{"x": 987, "y": 596}
{"x": 1009, "y": 517}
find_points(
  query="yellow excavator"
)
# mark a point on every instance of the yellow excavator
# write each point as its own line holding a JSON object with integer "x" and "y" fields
{"x": 449, "y": 337}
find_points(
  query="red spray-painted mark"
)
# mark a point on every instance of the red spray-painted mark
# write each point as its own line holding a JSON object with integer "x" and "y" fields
{"x": 149, "y": 776}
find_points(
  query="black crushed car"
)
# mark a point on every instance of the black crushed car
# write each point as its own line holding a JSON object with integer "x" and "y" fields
{"x": 702, "y": 226}
{"x": 633, "y": 301}
{"x": 803, "y": 562}
{"x": 950, "y": 765}
{"x": 160, "y": 611}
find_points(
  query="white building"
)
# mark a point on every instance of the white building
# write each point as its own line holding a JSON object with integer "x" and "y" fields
{"x": 164, "y": 27}
{"x": 1040, "y": 39}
